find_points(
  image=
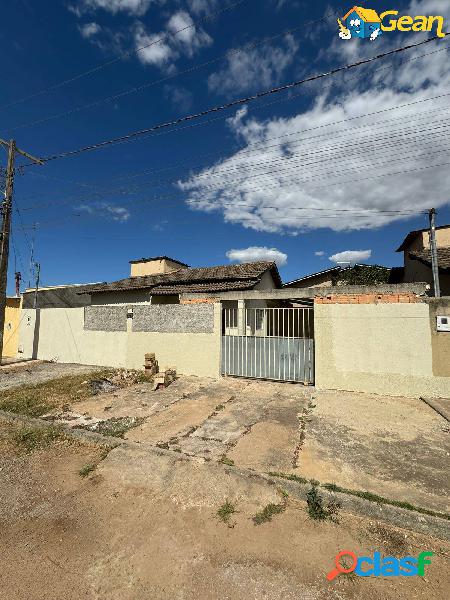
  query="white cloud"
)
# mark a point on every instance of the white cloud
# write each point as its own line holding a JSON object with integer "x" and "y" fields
{"x": 189, "y": 37}
{"x": 359, "y": 152}
{"x": 181, "y": 37}
{"x": 199, "y": 7}
{"x": 257, "y": 253}
{"x": 158, "y": 52}
{"x": 254, "y": 68}
{"x": 132, "y": 7}
{"x": 351, "y": 256}
{"x": 89, "y": 29}
{"x": 106, "y": 210}
{"x": 319, "y": 253}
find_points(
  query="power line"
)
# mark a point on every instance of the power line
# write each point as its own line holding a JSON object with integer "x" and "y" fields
{"x": 237, "y": 102}
{"x": 333, "y": 212}
{"x": 119, "y": 95}
{"x": 411, "y": 133}
{"x": 120, "y": 57}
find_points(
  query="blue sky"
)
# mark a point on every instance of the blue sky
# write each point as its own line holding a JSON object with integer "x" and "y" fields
{"x": 301, "y": 176}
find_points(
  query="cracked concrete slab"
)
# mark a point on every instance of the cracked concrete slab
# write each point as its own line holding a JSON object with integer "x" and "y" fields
{"x": 395, "y": 447}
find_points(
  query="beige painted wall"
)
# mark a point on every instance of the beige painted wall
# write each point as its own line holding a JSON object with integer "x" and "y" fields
{"x": 440, "y": 340}
{"x": 62, "y": 338}
{"x": 423, "y": 239}
{"x": 378, "y": 348}
{"x": 154, "y": 267}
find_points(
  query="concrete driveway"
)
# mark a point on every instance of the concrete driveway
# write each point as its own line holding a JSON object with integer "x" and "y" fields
{"x": 394, "y": 447}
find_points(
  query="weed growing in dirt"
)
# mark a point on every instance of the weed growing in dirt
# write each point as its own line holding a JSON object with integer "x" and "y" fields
{"x": 35, "y": 438}
{"x": 86, "y": 469}
{"x": 89, "y": 467}
{"x": 226, "y": 511}
{"x": 267, "y": 513}
{"x": 316, "y": 507}
{"x": 220, "y": 407}
{"x": 226, "y": 461}
{"x": 118, "y": 426}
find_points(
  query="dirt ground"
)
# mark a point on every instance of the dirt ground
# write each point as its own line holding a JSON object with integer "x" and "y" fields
{"x": 144, "y": 525}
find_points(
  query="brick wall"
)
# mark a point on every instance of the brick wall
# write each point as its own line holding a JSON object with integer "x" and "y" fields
{"x": 404, "y": 298}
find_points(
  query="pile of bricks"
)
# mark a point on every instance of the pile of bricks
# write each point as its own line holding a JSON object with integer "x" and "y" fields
{"x": 164, "y": 378}
{"x": 150, "y": 365}
{"x": 405, "y": 298}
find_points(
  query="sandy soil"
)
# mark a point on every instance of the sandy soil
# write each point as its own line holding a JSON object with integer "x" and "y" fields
{"x": 144, "y": 526}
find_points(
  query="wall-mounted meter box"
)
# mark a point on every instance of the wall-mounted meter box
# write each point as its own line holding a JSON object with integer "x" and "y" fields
{"x": 443, "y": 323}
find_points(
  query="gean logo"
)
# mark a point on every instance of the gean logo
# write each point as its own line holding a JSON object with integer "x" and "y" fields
{"x": 365, "y": 23}
{"x": 376, "y": 566}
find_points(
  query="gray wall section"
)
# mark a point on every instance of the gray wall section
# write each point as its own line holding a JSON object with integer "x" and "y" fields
{"x": 105, "y": 318}
{"x": 176, "y": 318}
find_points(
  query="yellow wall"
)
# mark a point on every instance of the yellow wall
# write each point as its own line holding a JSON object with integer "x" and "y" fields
{"x": 62, "y": 338}
{"x": 11, "y": 330}
{"x": 154, "y": 267}
{"x": 377, "y": 348}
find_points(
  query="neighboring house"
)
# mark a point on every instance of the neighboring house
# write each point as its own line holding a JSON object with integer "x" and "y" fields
{"x": 161, "y": 280}
{"x": 417, "y": 257}
{"x": 358, "y": 274}
{"x": 11, "y": 329}
{"x": 362, "y": 22}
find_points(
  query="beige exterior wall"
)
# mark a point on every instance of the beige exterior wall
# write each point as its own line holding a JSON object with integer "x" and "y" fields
{"x": 440, "y": 340}
{"x": 62, "y": 338}
{"x": 11, "y": 329}
{"x": 417, "y": 271}
{"x": 423, "y": 239}
{"x": 154, "y": 267}
{"x": 378, "y": 348}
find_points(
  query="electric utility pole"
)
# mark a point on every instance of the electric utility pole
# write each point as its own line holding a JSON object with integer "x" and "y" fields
{"x": 6, "y": 209}
{"x": 434, "y": 255}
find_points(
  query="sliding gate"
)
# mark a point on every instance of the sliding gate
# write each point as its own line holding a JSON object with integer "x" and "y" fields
{"x": 268, "y": 343}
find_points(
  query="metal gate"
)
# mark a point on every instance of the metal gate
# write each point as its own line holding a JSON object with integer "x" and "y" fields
{"x": 268, "y": 343}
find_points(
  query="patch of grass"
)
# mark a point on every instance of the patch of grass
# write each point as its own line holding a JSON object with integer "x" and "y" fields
{"x": 38, "y": 399}
{"x": 316, "y": 507}
{"x": 35, "y": 438}
{"x": 220, "y": 407}
{"x": 267, "y": 513}
{"x": 288, "y": 476}
{"x": 118, "y": 426}
{"x": 89, "y": 467}
{"x": 86, "y": 469}
{"x": 381, "y": 500}
{"x": 226, "y": 511}
{"x": 332, "y": 487}
{"x": 226, "y": 461}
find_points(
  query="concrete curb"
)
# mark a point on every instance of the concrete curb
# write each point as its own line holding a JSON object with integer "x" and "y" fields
{"x": 399, "y": 517}
{"x": 435, "y": 404}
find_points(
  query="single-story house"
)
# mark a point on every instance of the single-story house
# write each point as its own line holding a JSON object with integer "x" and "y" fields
{"x": 162, "y": 280}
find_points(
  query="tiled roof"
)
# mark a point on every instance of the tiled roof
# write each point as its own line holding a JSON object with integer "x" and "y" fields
{"x": 201, "y": 279}
{"x": 192, "y": 288}
{"x": 424, "y": 256}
